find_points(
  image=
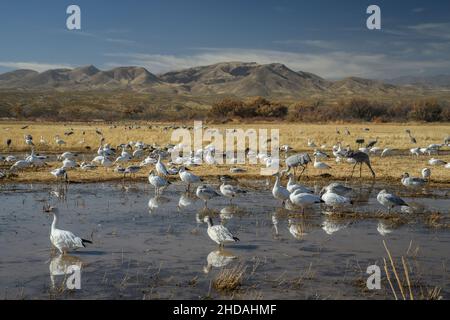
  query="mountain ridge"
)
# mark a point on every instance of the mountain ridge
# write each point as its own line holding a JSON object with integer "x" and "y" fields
{"x": 241, "y": 79}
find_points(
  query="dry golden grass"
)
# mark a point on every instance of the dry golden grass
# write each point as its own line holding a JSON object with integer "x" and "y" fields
{"x": 295, "y": 135}
{"x": 229, "y": 280}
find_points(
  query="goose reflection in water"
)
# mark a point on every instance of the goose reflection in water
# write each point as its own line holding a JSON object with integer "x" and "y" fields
{"x": 62, "y": 265}
{"x": 186, "y": 200}
{"x": 227, "y": 212}
{"x": 218, "y": 259}
{"x": 297, "y": 229}
{"x": 331, "y": 227}
{"x": 157, "y": 201}
{"x": 384, "y": 228}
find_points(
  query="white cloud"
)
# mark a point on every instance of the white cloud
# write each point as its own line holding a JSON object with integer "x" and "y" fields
{"x": 320, "y": 44}
{"x": 439, "y": 30}
{"x": 33, "y": 65}
{"x": 336, "y": 64}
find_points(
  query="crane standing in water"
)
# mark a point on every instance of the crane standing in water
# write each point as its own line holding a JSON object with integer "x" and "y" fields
{"x": 360, "y": 158}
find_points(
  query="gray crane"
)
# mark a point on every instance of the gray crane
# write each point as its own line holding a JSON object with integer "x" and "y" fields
{"x": 298, "y": 160}
{"x": 360, "y": 158}
{"x": 411, "y": 138}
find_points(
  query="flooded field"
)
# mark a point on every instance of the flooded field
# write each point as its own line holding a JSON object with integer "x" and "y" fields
{"x": 158, "y": 248}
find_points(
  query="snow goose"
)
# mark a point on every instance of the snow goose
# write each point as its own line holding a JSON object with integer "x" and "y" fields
{"x": 60, "y": 173}
{"x": 304, "y": 200}
{"x": 336, "y": 201}
{"x": 161, "y": 168}
{"x": 218, "y": 233}
{"x": 390, "y": 200}
{"x": 64, "y": 240}
{"x": 426, "y": 174}
{"x": 436, "y": 162}
{"x": 206, "y": 193}
{"x": 412, "y": 182}
{"x": 292, "y": 186}
{"x": 230, "y": 191}
{"x": 337, "y": 188}
{"x": 320, "y": 165}
{"x": 188, "y": 177}
{"x": 279, "y": 192}
{"x": 157, "y": 182}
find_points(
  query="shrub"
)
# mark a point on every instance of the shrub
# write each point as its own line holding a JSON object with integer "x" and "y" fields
{"x": 428, "y": 111}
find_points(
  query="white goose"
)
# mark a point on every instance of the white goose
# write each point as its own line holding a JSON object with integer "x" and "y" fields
{"x": 60, "y": 173}
{"x": 426, "y": 174}
{"x": 59, "y": 141}
{"x": 292, "y": 186}
{"x": 278, "y": 191}
{"x": 335, "y": 201}
{"x": 157, "y": 181}
{"x": 390, "y": 200}
{"x": 64, "y": 240}
{"x": 304, "y": 200}
{"x": 230, "y": 191}
{"x": 320, "y": 165}
{"x": 218, "y": 233}
{"x": 412, "y": 182}
{"x": 437, "y": 162}
{"x": 161, "y": 168}
{"x": 188, "y": 177}
{"x": 206, "y": 193}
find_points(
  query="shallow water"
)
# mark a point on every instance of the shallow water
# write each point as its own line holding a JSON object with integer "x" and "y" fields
{"x": 162, "y": 253}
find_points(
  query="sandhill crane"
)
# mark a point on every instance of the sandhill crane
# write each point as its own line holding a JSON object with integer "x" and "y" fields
{"x": 360, "y": 158}
{"x": 298, "y": 160}
{"x": 360, "y": 142}
{"x": 411, "y": 138}
{"x": 372, "y": 143}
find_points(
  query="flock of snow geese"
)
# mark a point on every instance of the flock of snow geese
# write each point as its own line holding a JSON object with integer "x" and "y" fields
{"x": 333, "y": 196}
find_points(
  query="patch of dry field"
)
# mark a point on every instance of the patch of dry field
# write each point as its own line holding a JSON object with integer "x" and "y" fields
{"x": 295, "y": 135}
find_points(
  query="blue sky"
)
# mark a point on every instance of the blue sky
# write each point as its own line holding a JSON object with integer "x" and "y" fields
{"x": 325, "y": 37}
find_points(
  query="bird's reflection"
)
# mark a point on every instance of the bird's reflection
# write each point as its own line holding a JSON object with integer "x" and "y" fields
{"x": 218, "y": 259}
{"x": 385, "y": 228}
{"x": 297, "y": 228}
{"x": 288, "y": 205}
{"x": 60, "y": 192}
{"x": 186, "y": 200}
{"x": 227, "y": 212}
{"x": 62, "y": 265}
{"x": 275, "y": 224}
{"x": 330, "y": 227}
{"x": 157, "y": 201}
